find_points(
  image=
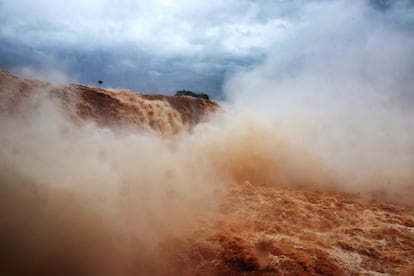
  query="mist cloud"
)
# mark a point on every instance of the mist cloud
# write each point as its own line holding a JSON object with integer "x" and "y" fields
{"x": 341, "y": 86}
{"x": 338, "y": 69}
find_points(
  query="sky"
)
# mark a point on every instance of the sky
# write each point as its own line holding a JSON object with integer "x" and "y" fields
{"x": 214, "y": 46}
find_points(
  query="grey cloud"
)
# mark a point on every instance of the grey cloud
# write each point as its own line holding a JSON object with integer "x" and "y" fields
{"x": 164, "y": 45}
{"x": 190, "y": 44}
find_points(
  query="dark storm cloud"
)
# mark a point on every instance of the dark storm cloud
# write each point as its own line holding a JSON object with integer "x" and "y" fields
{"x": 159, "y": 46}
{"x": 163, "y": 45}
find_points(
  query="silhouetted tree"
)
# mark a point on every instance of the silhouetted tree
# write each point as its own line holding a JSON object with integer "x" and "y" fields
{"x": 192, "y": 94}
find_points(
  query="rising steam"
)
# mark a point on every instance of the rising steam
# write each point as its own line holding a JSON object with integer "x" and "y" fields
{"x": 341, "y": 87}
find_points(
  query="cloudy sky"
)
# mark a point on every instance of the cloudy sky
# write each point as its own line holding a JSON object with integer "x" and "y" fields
{"x": 164, "y": 45}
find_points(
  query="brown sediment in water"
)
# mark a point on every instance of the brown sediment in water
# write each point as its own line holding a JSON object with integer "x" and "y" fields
{"x": 116, "y": 109}
{"x": 76, "y": 200}
{"x": 299, "y": 232}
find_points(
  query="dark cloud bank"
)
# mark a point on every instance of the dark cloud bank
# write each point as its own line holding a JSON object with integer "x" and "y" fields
{"x": 165, "y": 45}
